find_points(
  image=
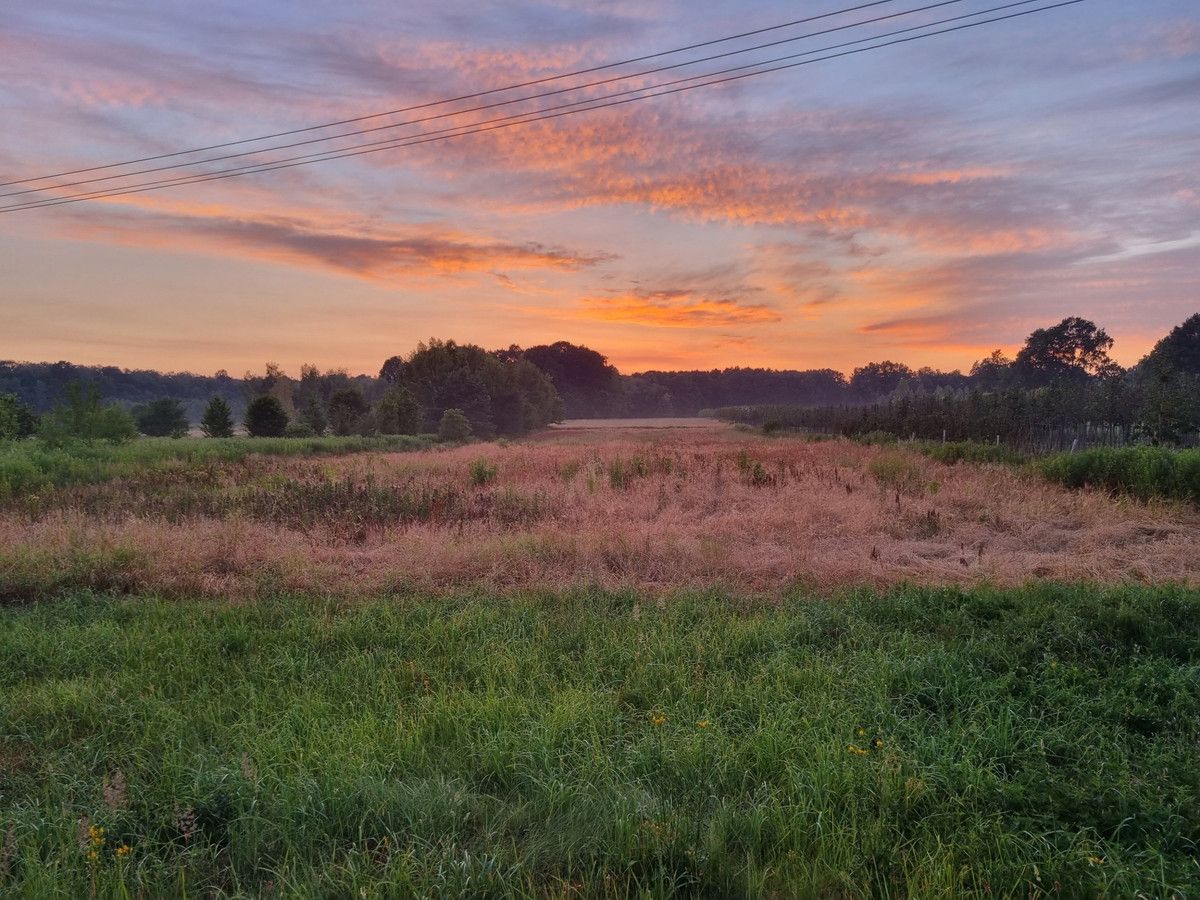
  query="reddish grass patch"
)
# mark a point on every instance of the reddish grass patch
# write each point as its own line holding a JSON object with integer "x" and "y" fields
{"x": 656, "y": 510}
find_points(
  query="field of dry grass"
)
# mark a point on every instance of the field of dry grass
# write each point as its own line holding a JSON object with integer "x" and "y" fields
{"x": 652, "y": 509}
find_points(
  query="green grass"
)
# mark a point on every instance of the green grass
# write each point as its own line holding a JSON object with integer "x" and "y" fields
{"x": 952, "y": 452}
{"x": 509, "y": 746}
{"x": 1143, "y": 472}
{"x": 27, "y": 466}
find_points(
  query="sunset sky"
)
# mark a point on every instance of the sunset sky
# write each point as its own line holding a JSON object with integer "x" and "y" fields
{"x": 927, "y": 202}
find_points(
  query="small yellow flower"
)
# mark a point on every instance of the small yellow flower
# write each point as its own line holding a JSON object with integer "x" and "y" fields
{"x": 857, "y": 751}
{"x": 862, "y": 732}
{"x": 123, "y": 851}
{"x": 96, "y": 835}
{"x": 1096, "y": 860}
{"x": 877, "y": 743}
{"x": 703, "y": 723}
{"x": 657, "y": 719}
{"x": 92, "y": 856}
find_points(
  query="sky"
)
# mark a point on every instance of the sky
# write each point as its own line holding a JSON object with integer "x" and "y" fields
{"x": 926, "y": 202}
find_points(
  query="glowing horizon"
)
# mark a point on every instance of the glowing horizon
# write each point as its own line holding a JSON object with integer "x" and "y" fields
{"x": 925, "y": 204}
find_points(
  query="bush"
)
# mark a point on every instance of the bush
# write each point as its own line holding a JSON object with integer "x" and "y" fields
{"x": 298, "y": 428}
{"x": 84, "y": 418}
{"x": 265, "y": 417}
{"x": 161, "y": 418}
{"x": 972, "y": 451}
{"x": 454, "y": 426}
{"x": 16, "y": 419}
{"x": 1143, "y": 472}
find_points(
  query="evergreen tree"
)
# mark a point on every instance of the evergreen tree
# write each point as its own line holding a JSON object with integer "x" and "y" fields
{"x": 265, "y": 417}
{"x": 161, "y": 418}
{"x": 217, "y": 421}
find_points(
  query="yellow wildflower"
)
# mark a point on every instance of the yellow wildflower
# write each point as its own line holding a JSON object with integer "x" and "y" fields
{"x": 657, "y": 719}
{"x": 703, "y": 723}
{"x": 123, "y": 851}
{"x": 857, "y": 751}
{"x": 1096, "y": 860}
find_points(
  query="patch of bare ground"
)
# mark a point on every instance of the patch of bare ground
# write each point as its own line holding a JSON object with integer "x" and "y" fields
{"x": 657, "y": 510}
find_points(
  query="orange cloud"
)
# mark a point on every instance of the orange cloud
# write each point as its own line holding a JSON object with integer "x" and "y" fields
{"x": 375, "y": 254}
{"x": 677, "y": 309}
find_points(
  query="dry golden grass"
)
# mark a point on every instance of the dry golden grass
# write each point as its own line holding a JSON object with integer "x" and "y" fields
{"x": 702, "y": 507}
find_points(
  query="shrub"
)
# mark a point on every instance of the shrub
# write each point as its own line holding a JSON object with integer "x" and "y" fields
{"x": 298, "y": 428}
{"x": 454, "y": 426}
{"x": 82, "y": 417}
{"x": 16, "y": 419}
{"x": 482, "y": 472}
{"x": 161, "y": 418}
{"x": 217, "y": 421}
{"x": 265, "y": 417}
{"x": 1143, "y": 472}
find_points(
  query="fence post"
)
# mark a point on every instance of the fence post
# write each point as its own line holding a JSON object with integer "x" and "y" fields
{"x": 1074, "y": 445}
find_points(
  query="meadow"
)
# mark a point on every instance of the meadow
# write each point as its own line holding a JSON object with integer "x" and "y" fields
{"x": 619, "y": 663}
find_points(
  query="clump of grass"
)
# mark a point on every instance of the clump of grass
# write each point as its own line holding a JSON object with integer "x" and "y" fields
{"x": 900, "y": 471}
{"x": 965, "y": 743}
{"x": 482, "y": 472}
{"x": 1143, "y": 472}
{"x": 953, "y": 452}
{"x": 877, "y": 438}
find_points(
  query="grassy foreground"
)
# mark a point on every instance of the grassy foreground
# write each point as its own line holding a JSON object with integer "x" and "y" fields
{"x": 919, "y": 743}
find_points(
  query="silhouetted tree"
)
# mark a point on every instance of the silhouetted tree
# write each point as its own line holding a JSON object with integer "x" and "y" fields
{"x": 398, "y": 412}
{"x": 313, "y": 416}
{"x": 217, "y": 421}
{"x": 265, "y": 417}
{"x": 877, "y": 380}
{"x": 454, "y": 426}
{"x": 346, "y": 406}
{"x": 1073, "y": 349}
{"x": 588, "y": 385}
{"x": 161, "y": 418}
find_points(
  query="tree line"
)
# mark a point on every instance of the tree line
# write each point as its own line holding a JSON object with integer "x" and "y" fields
{"x": 1062, "y": 374}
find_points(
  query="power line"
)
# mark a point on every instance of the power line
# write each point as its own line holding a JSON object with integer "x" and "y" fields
{"x": 498, "y": 104}
{"x": 472, "y": 96}
{"x": 526, "y": 118}
{"x": 393, "y": 142}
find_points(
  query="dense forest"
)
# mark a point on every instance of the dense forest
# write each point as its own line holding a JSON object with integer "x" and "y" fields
{"x": 1062, "y": 376}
